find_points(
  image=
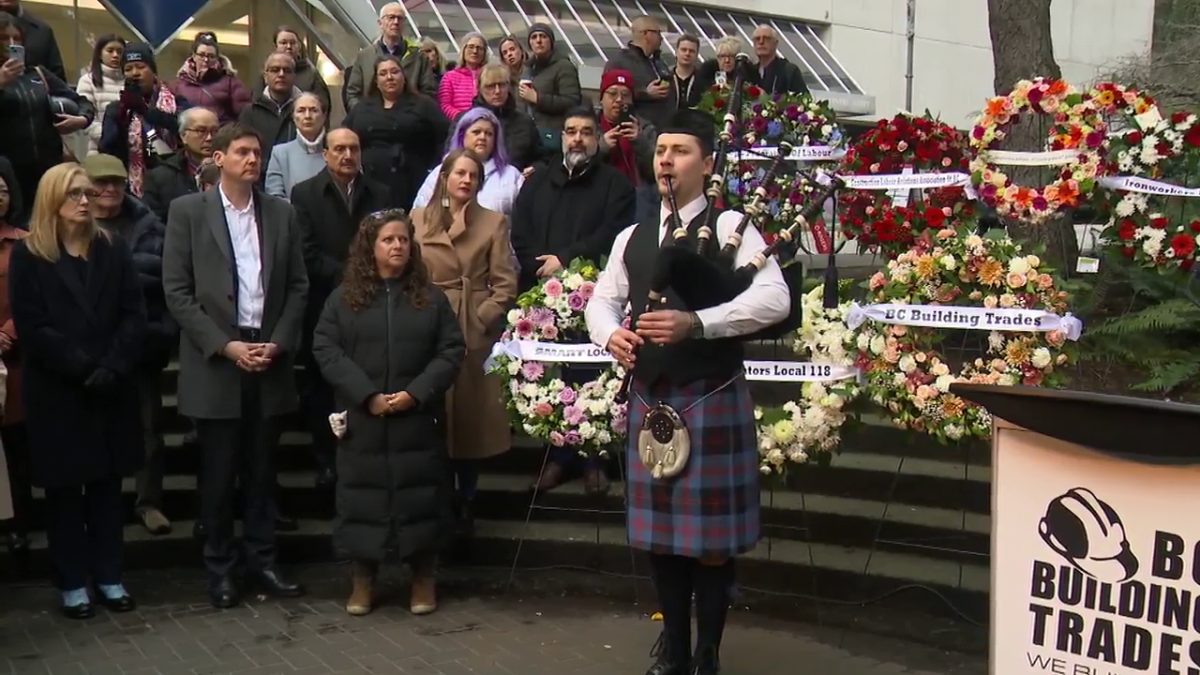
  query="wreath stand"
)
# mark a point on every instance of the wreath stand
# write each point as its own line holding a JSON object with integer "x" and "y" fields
{"x": 598, "y": 515}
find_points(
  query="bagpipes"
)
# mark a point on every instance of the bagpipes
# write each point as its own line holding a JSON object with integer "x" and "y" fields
{"x": 701, "y": 276}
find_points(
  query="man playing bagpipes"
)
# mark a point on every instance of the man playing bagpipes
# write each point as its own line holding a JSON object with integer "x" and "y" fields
{"x": 693, "y": 484}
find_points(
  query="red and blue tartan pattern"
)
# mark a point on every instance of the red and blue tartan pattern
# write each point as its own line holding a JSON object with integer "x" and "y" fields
{"x": 712, "y": 508}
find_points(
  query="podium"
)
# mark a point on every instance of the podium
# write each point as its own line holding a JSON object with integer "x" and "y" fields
{"x": 1095, "y": 566}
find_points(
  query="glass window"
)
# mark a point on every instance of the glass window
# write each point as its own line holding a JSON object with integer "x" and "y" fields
{"x": 423, "y": 19}
{"x": 703, "y": 25}
{"x": 680, "y": 25}
{"x": 831, "y": 60}
{"x": 566, "y": 28}
{"x": 601, "y": 31}
{"x": 489, "y": 22}
{"x": 513, "y": 21}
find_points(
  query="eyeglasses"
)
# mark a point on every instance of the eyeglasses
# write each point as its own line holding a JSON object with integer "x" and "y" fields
{"x": 203, "y": 132}
{"x": 392, "y": 18}
{"x": 474, "y": 48}
{"x": 280, "y": 70}
{"x": 496, "y": 86}
{"x": 206, "y": 57}
{"x": 77, "y": 194}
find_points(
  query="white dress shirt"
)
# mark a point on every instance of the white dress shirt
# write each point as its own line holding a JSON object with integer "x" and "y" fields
{"x": 247, "y": 256}
{"x": 765, "y": 303}
{"x": 498, "y": 193}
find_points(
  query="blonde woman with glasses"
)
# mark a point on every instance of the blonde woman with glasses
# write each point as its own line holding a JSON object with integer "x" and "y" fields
{"x": 459, "y": 86}
{"x": 519, "y": 133}
{"x": 78, "y": 307}
{"x": 719, "y": 71}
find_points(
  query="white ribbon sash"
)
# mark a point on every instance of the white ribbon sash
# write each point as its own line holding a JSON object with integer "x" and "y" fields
{"x": 966, "y": 318}
{"x": 1018, "y": 158}
{"x": 1147, "y": 186}
{"x": 903, "y": 181}
{"x": 802, "y": 153}
{"x": 757, "y": 371}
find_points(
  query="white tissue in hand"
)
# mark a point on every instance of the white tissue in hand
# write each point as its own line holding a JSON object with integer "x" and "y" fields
{"x": 337, "y": 422}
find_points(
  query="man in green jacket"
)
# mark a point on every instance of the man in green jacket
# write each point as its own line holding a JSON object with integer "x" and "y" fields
{"x": 391, "y": 41}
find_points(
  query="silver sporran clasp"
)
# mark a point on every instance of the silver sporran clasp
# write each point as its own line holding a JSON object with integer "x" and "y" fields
{"x": 663, "y": 442}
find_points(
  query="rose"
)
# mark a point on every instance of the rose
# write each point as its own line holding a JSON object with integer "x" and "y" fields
{"x": 543, "y": 410}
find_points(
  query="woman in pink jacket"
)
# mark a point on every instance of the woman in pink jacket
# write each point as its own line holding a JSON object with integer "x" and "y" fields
{"x": 460, "y": 85}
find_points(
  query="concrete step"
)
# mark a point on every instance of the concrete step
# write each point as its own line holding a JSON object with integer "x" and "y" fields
{"x": 780, "y": 565}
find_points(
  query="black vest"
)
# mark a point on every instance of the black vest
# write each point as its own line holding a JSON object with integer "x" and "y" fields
{"x": 689, "y": 360}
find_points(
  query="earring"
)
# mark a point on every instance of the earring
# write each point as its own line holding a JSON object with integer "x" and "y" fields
{"x": 445, "y": 196}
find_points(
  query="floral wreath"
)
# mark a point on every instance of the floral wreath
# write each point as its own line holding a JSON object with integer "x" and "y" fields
{"x": 923, "y": 144}
{"x": 1155, "y": 231}
{"x": 905, "y": 372}
{"x": 810, "y": 427}
{"x": 1077, "y": 125}
{"x": 583, "y": 416}
{"x": 768, "y": 120}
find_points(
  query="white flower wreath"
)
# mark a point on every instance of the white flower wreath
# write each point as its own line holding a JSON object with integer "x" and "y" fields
{"x": 809, "y": 428}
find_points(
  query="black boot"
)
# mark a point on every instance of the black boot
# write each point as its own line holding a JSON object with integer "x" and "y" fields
{"x": 668, "y": 661}
{"x": 673, "y": 580}
{"x": 714, "y": 587}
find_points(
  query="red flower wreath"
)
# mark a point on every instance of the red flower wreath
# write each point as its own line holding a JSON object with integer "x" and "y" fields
{"x": 926, "y": 144}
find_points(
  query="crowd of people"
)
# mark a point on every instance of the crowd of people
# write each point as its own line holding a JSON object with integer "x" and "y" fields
{"x": 220, "y": 219}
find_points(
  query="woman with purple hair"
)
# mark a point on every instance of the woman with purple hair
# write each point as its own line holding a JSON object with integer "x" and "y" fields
{"x": 479, "y": 130}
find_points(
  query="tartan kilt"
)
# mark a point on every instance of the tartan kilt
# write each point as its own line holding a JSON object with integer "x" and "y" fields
{"x": 712, "y": 508}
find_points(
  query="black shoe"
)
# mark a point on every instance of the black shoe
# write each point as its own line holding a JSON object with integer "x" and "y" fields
{"x": 326, "y": 479}
{"x": 223, "y": 593}
{"x": 285, "y": 523}
{"x": 125, "y": 603}
{"x": 664, "y": 666}
{"x": 275, "y": 585}
{"x": 79, "y": 612}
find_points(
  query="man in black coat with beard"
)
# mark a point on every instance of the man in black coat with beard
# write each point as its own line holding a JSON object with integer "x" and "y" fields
{"x": 329, "y": 208}
{"x": 570, "y": 209}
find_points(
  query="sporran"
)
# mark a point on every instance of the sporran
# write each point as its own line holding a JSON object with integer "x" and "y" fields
{"x": 664, "y": 443}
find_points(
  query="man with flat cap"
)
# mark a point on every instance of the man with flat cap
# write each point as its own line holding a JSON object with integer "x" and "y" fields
{"x": 696, "y": 518}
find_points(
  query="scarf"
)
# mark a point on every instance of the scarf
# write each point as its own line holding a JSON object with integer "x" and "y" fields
{"x": 621, "y": 155}
{"x": 137, "y": 139}
{"x": 311, "y": 147}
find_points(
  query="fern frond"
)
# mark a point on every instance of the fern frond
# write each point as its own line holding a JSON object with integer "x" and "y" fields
{"x": 1167, "y": 316}
{"x": 1169, "y": 376}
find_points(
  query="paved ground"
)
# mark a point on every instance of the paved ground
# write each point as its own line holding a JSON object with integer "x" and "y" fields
{"x": 172, "y": 635}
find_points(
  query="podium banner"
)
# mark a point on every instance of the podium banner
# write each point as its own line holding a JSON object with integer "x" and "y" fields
{"x": 1095, "y": 561}
{"x": 587, "y": 353}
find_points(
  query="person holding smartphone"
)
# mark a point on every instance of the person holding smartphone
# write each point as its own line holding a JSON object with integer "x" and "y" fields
{"x": 627, "y": 141}
{"x": 654, "y": 98}
{"x": 29, "y": 96}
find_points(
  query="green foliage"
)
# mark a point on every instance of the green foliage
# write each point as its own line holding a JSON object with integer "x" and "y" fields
{"x": 1156, "y": 336}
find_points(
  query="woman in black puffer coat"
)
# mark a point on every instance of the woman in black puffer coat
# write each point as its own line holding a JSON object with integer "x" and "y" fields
{"x": 520, "y": 133}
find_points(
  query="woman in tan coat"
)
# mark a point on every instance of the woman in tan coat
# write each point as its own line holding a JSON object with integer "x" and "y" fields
{"x": 466, "y": 248}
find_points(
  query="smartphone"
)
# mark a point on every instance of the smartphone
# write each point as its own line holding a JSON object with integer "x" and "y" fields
{"x": 17, "y": 52}
{"x": 132, "y": 85}
{"x": 626, "y": 116}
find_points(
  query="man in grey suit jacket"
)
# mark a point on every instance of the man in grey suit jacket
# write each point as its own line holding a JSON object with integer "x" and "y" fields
{"x": 234, "y": 278}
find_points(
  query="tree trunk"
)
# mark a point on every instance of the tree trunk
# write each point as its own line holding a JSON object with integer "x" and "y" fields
{"x": 1022, "y": 49}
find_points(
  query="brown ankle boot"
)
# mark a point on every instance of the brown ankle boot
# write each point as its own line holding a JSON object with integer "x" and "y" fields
{"x": 363, "y": 582}
{"x": 424, "y": 585}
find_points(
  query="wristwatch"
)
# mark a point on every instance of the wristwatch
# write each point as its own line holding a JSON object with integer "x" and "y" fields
{"x": 696, "y": 329}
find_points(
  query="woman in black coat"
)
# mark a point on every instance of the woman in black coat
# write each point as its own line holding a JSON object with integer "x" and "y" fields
{"x": 78, "y": 307}
{"x": 401, "y": 131}
{"x": 389, "y": 344}
{"x": 521, "y": 138}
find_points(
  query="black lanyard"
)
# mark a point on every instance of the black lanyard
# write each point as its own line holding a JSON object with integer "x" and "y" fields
{"x": 683, "y": 95}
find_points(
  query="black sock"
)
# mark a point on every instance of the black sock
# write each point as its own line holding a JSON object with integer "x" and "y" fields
{"x": 673, "y": 581}
{"x": 714, "y": 586}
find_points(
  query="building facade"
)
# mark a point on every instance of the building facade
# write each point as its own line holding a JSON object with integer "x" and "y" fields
{"x": 855, "y": 53}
